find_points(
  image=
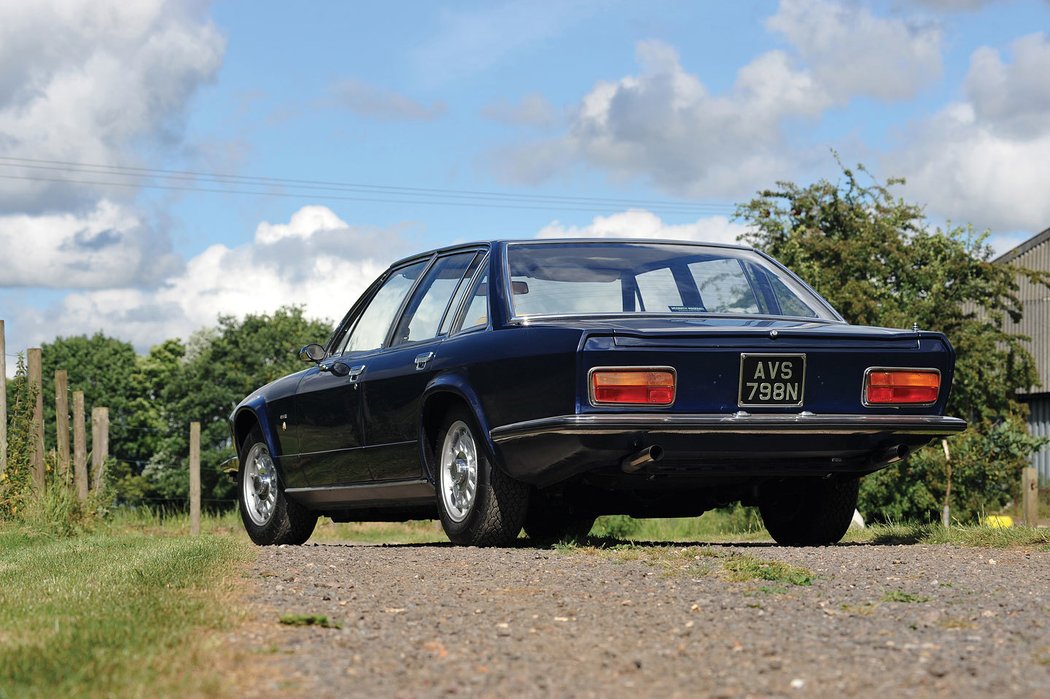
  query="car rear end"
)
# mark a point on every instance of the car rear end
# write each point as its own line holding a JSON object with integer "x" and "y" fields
{"x": 713, "y": 367}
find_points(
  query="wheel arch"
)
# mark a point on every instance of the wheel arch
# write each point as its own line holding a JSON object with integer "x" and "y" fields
{"x": 248, "y": 417}
{"x": 443, "y": 393}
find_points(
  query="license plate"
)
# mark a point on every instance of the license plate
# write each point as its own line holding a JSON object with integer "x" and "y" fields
{"x": 772, "y": 380}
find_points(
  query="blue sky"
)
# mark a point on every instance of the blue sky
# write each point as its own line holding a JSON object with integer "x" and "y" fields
{"x": 597, "y": 117}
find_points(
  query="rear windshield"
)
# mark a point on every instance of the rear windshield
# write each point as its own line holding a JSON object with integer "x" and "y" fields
{"x": 602, "y": 278}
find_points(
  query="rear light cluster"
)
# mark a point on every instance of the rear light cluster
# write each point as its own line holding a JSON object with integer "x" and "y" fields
{"x": 642, "y": 386}
{"x": 901, "y": 386}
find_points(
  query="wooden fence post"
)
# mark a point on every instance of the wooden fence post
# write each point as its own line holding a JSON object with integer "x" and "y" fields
{"x": 1030, "y": 495}
{"x": 36, "y": 380}
{"x": 3, "y": 400}
{"x": 99, "y": 445}
{"x": 62, "y": 423}
{"x": 80, "y": 474}
{"x": 195, "y": 478}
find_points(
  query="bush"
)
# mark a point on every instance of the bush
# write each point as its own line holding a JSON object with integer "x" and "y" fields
{"x": 986, "y": 475}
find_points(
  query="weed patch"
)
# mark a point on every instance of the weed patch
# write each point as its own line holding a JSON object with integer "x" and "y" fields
{"x": 742, "y": 568}
{"x": 903, "y": 597}
{"x": 309, "y": 620}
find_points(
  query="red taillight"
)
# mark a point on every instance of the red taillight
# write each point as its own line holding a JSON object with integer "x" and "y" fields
{"x": 633, "y": 386}
{"x": 901, "y": 386}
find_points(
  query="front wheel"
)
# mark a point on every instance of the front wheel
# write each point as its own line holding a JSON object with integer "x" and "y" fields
{"x": 269, "y": 516}
{"x": 479, "y": 504}
{"x": 808, "y": 512}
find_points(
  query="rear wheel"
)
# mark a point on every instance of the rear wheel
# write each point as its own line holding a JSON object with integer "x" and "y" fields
{"x": 478, "y": 503}
{"x": 269, "y": 516}
{"x": 808, "y": 512}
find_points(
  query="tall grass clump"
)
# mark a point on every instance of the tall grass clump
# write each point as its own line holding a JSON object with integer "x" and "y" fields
{"x": 55, "y": 509}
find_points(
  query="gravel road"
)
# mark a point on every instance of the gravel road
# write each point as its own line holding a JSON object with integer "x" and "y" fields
{"x": 660, "y": 621}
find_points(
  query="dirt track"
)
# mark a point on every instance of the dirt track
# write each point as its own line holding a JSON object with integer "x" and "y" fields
{"x": 661, "y": 621}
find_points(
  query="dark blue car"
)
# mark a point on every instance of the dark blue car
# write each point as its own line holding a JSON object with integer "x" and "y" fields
{"x": 541, "y": 383}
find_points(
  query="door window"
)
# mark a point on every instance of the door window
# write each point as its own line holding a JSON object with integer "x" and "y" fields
{"x": 372, "y": 326}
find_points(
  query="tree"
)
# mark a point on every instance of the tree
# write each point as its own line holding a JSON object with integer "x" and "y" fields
{"x": 220, "y": 367}
{"x": 878, "y": 262}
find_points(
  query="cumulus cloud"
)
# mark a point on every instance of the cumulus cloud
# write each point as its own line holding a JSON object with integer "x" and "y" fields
{"x": 91, "y": 81}
{"x": 377, "y": 103}
{"x": 315, "y": 259}
{"x": 850, "y": 51}
{"x": 638, "y": 223}
{"x": 983, "y": 160}
{"x": 666, "y": 126}
{"x": 109, "y": 246}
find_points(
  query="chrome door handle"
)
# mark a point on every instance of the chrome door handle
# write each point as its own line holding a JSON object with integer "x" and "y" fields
{"x": 422, "y": 359}
{"x": 356, "y": 371}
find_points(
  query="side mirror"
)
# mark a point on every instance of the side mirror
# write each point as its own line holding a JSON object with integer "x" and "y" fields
{"x": 312, "y": 353}
{"x": 339, "y": 369}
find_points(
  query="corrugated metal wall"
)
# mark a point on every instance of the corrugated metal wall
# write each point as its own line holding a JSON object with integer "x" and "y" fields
{"x": 1036, "y": 325}
{"x": 1036, "y": 299}
{"x": 1039, "y": 426}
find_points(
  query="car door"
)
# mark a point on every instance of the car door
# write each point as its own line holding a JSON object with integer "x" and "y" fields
{"x": 328, "y": 404}
{"x": 392, "y": 385}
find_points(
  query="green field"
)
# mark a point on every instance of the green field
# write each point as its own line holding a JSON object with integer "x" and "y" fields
{"x": 117, "y": 612}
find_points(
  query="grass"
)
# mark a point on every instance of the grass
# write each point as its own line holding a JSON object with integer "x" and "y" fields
{"x": 414, "y": 532}
{"x": 308, "y": 620}
{"x": 116, "y": 612}
{"x": 742, "y": 568}
{"x": 958, "y": 535}
{"x": 904, "y": 597}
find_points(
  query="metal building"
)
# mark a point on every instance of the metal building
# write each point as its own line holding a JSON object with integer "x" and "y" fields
{"x": 1034, "y": 253}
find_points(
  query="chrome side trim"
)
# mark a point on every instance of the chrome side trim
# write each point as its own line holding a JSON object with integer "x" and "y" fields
{"x": 738, "y": 423}
{"x": 365, "y": 494}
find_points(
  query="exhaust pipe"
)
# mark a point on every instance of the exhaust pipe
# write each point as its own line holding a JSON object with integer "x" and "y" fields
{"x": 889, "y": 455}
{"x": 642, "y": 459}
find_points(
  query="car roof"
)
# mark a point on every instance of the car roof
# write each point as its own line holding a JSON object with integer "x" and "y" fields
{"x": 575, "y": 241}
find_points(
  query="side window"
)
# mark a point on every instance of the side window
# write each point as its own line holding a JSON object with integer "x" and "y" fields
{"x": 477, "y": 312}
{"x": 374, "y": 322}
{"x": 461, "y": 292}
{"x": 658, "y": 290}
{"x": 424, "y": 313}
{"x": 723, "y": 286}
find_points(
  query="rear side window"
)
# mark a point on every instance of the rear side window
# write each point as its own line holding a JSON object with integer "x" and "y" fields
{"x": 423, "y": 316}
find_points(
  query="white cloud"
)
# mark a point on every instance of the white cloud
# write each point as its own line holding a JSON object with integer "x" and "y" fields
{"x": 852, "y": 52}
{"x": 107, "y": 247}
{"x": 316, "y": 260}
{"x": 984, "y": 160}
{"x": 665, "y": 126}
{"x": 638, "y": 223}
{"x": 378, "y": 103}
{"x": 1012, "y": 98}
{"x": 92, "y": 81}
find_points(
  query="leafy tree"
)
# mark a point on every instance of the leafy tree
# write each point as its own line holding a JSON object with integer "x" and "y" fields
{"x": 878, "y": 262}
{"x": 220, "y": 367}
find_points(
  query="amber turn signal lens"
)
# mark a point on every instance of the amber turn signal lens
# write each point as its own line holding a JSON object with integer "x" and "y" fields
{"x": 902, "y": 386}
{"x": 633, "y": 386}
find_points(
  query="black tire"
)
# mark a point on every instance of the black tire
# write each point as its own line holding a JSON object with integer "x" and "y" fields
{"x": 551, "y": 519}
{"x": 808, "y": 512}
{"x": 495, "y": 511}
{"x": 283, "y": 521}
